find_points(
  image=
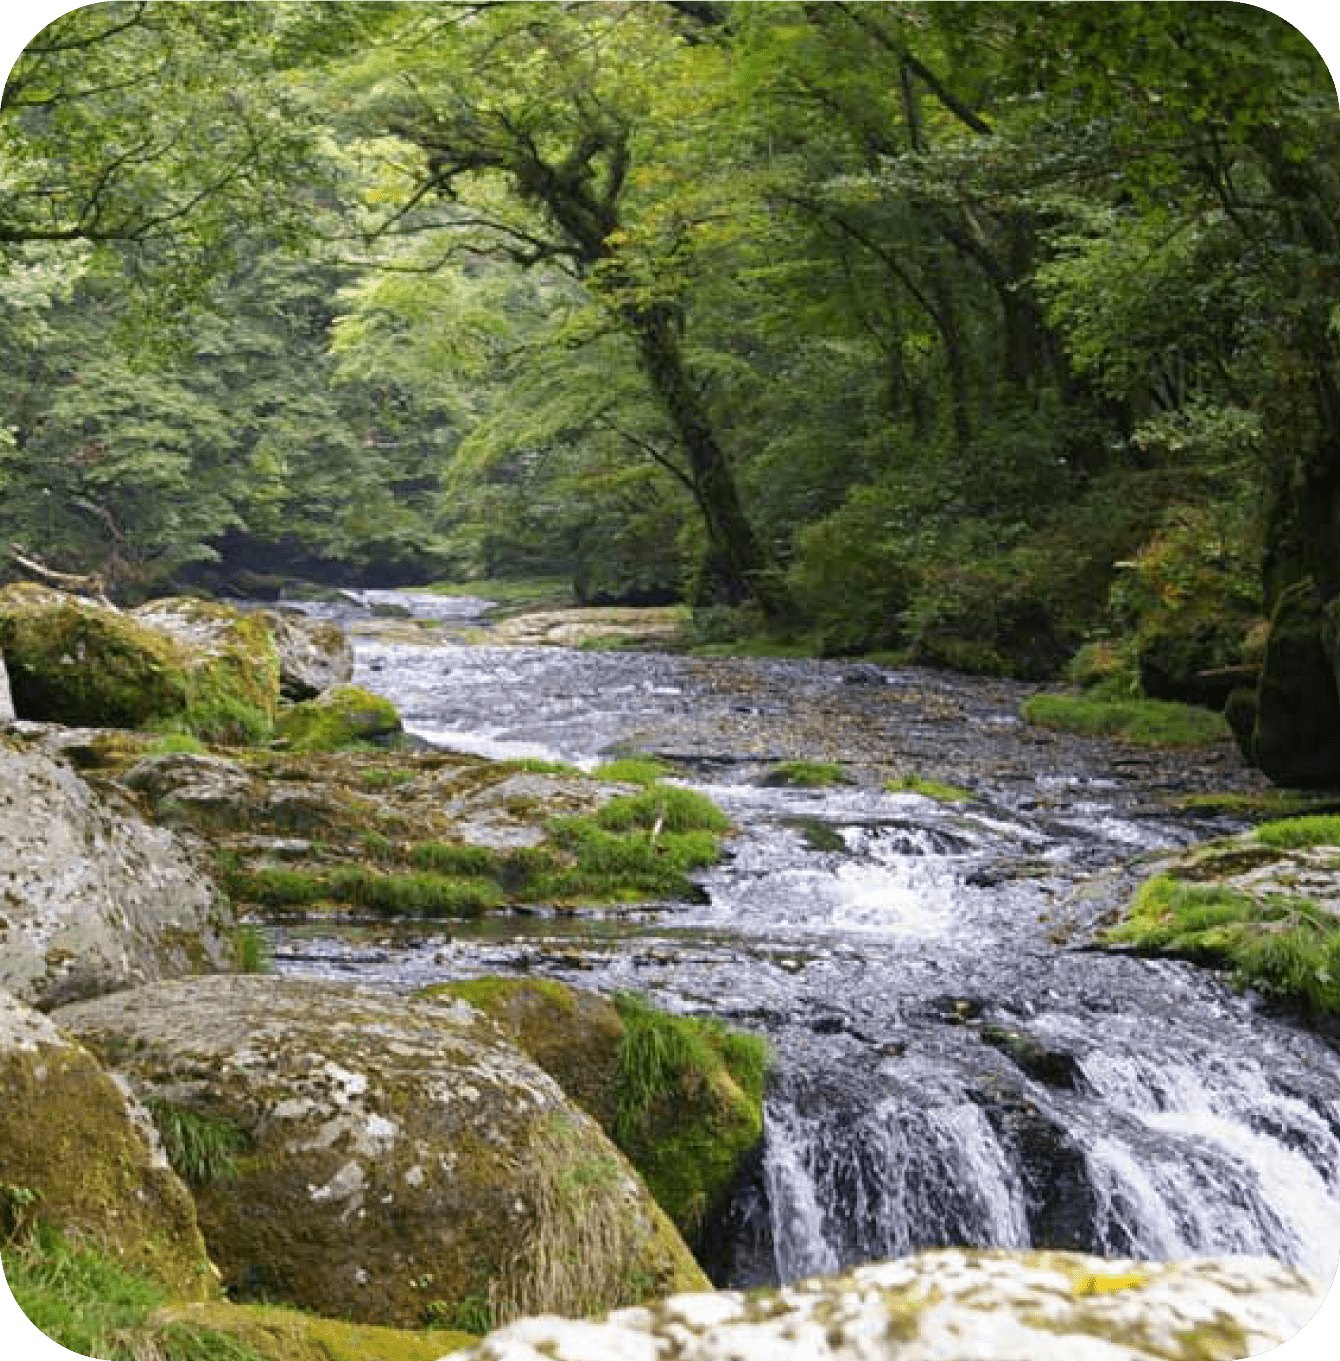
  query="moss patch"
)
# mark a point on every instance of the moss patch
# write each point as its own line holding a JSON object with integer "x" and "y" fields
{"x": 1287, "y": 947}
{"x": 344, "y": 716}
{"x": 806, "y": 774}
{"x": 1146, "y": 722}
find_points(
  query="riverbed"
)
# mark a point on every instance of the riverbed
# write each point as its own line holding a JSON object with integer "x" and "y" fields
{"x": 955, "y": 1060}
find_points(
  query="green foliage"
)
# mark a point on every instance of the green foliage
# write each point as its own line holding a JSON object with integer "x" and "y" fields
{"x": 1149, "y": 722}
{"x": 203, "y": 1149}
{"x": 252, "y": 951}
{"x": 662, "y": 806}
{"x": 634, "y": 770}
{"x": 689, "y": 1104}
{"x": 915, "y": 783}
{"x": 454, "y": 859}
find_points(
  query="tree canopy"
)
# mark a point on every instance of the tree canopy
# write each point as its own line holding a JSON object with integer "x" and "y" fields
{"x": 967, "y": 331}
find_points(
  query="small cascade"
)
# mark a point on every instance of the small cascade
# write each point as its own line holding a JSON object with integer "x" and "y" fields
{"x": 849, "y": 1185}
{"x": 1215, "y": 1158}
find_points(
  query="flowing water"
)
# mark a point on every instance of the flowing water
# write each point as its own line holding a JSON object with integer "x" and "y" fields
{"x": 954, "y": 1063}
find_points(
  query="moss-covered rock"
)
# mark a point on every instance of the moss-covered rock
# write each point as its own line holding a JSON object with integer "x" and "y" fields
{"x": 78, "y": 1154}
{"x": 178, "y": 663}
{"x": 232, "y": 666}
{"x": 682, "y": 1097}
{"x": 957, "y": 1305}
{"x": 345, "y": 716}
{"x": 277, "y": 1334}
{"x": 92, "y": 897}
{"x": 403, "y": 1163}
{"x": 80, "y": 663}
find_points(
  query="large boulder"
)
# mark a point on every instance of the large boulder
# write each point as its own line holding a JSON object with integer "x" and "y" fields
{"x": 93, "y": 898}
{"x": 954, "y": 1306}
{"x": 78, "y": 1153}
{"x": 314, "y": 654}
{"x": 175, "y": 663}
{"x": 402, "y": 1161}
{"x": 81, "y": 663}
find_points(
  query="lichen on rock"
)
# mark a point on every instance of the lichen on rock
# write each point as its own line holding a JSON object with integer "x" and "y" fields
{"x": 404, "y": 1158}
{"x": 954, "y": 1305}
{"x": 92, "y": 897}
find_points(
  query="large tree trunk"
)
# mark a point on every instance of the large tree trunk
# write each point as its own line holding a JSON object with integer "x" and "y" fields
{"x": 735, "y": 548}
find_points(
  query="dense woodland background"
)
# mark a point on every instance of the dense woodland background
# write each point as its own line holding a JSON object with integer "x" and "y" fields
{"x": 974, "y": 333}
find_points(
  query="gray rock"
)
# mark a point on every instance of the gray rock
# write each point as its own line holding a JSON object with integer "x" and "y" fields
{"x": 953, "y": 1306}
{"x": 403, "y": 1160}
{"x": 314, "y": 654}
{"x": 71, "y": 1135}
{"x": 93, "y": 898}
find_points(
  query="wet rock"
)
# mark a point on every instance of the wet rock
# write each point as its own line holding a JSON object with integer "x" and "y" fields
{"x": 93, "y": 898}
{"x": 74, "y": 1139}
{"x": 314, "y": 654}
{"x": 954, "y": 1306}
{"x": 403, "y": 1159}
{"x": 1053, "y": 1067}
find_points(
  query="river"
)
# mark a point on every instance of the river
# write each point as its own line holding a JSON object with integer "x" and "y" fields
{"x": 955, "y": 1062}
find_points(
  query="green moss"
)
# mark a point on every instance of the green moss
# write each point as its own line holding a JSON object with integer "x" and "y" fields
{"x": 85, "y": 1300}
{"x": 342, "y": 717}
{"x": 634, "y": 770}
{"x": 689, "y": 1106}
{"x": 454, "y": 858}
{"x": 413, "y": 895}
{"x": 807, "y": 774}
{"x": 1295, "y": 833}
{"x": 663, "y": 806}
{"x": 913, "y": 783}
{"x": 1147, "y": 722}
{"x": 1284, "y": 946}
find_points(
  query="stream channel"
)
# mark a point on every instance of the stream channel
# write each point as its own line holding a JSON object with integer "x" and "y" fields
{"x": 954, "y": 1062}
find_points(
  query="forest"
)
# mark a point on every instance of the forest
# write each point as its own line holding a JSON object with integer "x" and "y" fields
{"x": 993, "y": 337}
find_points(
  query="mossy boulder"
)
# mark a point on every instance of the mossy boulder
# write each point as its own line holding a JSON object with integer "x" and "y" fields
{"x": 177, "y": 663}
{"x": 92, "y": 897}
{"x": 681, "y": 1096}
{"x": 400, "y": 1161}
{"x": 77, "y": 662}
{"x": 957, "y": 1305}
{"x": 232, "y": 666}
{"x": 78, "y": 1154}
{"x": 344, "y": 716}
